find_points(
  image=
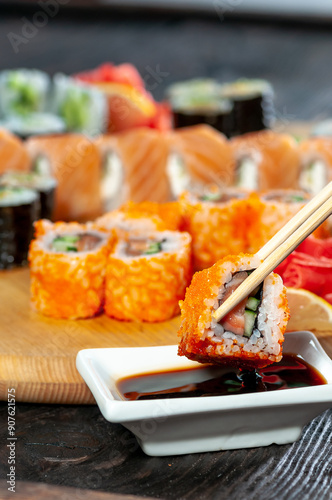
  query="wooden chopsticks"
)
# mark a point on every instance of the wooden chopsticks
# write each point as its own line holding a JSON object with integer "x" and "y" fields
{"x": 281, "y": 245}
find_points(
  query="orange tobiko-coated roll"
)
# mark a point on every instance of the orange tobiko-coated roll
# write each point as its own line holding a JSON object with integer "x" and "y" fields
{"x": 67, "y": 268}
{"x": 170, "y": 212}
{"x": 218, "y": 222}
{"x": 145, "y": 216}
{"x": 147, "y": 275}
{"x": 270, "y": 211}
{"x": 249, "y": 336}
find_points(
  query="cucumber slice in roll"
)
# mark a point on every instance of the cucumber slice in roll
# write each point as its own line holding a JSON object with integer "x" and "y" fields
{"x": 249, "y": 322}
{"x": 252, "y": 304}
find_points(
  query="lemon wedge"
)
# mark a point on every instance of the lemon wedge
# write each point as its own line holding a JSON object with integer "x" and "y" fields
{"x": 308, "y": 311}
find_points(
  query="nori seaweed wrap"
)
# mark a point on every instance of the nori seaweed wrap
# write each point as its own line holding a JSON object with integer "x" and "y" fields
{"x": 19, "y": 208}
{"x": 44, "y": 185}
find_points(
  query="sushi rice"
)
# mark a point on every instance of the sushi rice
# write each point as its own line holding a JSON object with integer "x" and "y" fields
{"x": 204, "y": 339}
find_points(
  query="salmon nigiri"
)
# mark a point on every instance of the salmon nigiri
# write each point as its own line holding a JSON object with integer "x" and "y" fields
{"x": 13, "y": 154}
{"x": 76, "y": 164}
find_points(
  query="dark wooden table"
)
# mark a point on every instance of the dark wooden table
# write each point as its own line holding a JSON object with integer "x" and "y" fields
{"x": 73, "y": 445}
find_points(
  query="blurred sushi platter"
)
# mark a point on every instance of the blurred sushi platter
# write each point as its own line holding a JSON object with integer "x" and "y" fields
{"x": 131, "y": 197}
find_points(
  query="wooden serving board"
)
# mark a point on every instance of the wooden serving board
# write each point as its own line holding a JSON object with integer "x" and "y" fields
{"x": 37, "y": 354}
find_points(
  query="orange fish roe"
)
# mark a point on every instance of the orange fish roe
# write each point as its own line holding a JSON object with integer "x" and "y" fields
{"x": 199, "y": 338}
{"x": 268, "y": 214}
{"x": 67, "y": 285}
{"x": 123, "y": 222}
{"x": 169, "y": 213}
{"x": 217, "y": 228}
{"x": 148, "y": 287}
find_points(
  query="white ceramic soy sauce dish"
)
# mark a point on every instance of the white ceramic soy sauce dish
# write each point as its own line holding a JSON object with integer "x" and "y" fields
{"x": 191, "y": 425}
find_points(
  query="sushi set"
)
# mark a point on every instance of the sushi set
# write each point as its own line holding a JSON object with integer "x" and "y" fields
{"x": 140, "y": 234}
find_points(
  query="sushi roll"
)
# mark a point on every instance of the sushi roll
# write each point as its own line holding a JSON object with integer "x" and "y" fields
{"x": 269, "y": 212}
{"x": 170, "y": 213}
{"x": 218, "y": 221}
{"x": 31, "y": 124}
{"x": 266, "y": 160}
{"x": 143, "y": 153}
{"x": 75, "y": 162}
{"x": 23, "y": 91}
{"x": 82, "y": 107}
{"x": 67, "y": 269}
{"x": 123, "y": 223}
{"x": 253, "y": 107}
{"x": 316, "y": 164}
{"x": 13, "y": 155}
{"x": 204, "y": 157}
{"x": 44, "y": 185}
{"x": 114, "y": 191}
{"x": 251, "y": 335}
{"x": 19, "y": 208}
{"x": 144, "y": 216}
{"x": 147, "y": 274}
{"x": 198, "y": 101}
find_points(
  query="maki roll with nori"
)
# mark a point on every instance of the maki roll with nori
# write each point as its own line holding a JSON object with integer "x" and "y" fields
{"x": 253, "y": 107}
{"x": 23, "y": 91}
{"x": 67, "y": 269}
{"x": 147, "y": 274}
{"x": 19, "y": 208}
{"x": 251, "y": 335}
{"x": 44, "y": 185}
{"x": 198, "y": 101}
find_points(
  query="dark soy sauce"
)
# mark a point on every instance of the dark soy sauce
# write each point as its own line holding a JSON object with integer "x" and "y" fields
{"x": 290, "y": 372}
